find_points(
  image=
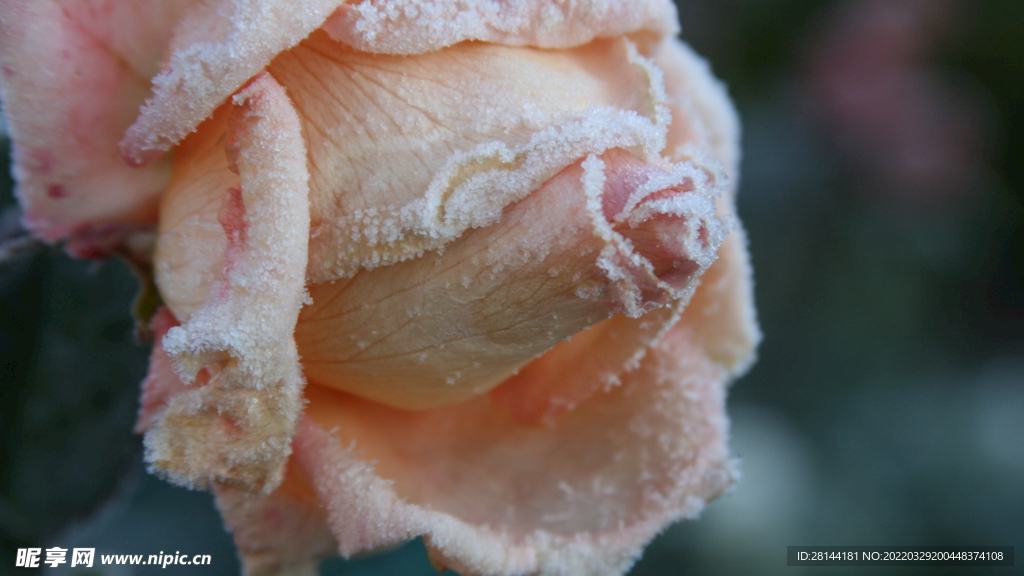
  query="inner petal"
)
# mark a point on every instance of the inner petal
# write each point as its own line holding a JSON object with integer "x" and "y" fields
{"x": 382, "y": 129}
{"x": 450, "y": 325}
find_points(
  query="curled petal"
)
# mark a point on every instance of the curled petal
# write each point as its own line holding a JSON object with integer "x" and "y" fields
{"x": 216, "y": 48}
{"x": 72, "y": 76}
{"x": 237, "y": 427}
{"x": 494, "y": 496}
{"x": 418, "y": 26}
{"x": 610, "y": 234}
{"x": 221, "y": 44}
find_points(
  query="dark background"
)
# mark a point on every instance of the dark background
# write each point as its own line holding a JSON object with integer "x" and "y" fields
{"x": 882, "y": 189}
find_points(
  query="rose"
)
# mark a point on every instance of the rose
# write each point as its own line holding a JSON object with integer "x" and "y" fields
{"x": 477, "y": 229}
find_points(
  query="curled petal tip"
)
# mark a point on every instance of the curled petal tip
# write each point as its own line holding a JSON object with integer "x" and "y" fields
{"x": 135, "y": 156}
{"x": 669, "y": 223}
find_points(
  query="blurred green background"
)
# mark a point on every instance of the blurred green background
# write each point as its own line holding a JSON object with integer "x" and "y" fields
{"x": 882, "y": 189}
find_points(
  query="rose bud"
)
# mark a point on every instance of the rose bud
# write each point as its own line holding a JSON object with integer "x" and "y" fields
{"x": 467, "y": 271}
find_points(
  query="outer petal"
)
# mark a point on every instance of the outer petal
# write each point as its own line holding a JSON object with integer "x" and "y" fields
{"x": 74, "y": 73}
{"x": 281, "y": 533}
{"x": 237, "y": 428}
{"x": 721, "y": 314}
{"x": 221, "y": 44}
{"x": 418, "y": 26}
{"x": 284, "y": 532}
{"x": 492, "y": 496}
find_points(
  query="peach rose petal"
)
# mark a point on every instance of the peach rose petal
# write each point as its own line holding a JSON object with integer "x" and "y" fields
{"x": 216, "y": 48}
{"x": 236, "y": 429}
{"x": 418, "y": 26}
{"x": 703, "y": 115}
{"x": 445, "y": 327}
{"x": 72, "y": 76}
{"x": 573, "y": 371}
{"x": 721, "y": 313}
{"x": 284, "y": 532}
{"x": 493, "y": 496}
{"x": 408, "y": 153}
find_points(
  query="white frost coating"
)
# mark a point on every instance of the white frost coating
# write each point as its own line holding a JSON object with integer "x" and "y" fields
{"x": 238, "y": 427}
{"x": 216, "y": 48}
{"x": 474, "y": 186}
{"x": 417, "y": 26}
